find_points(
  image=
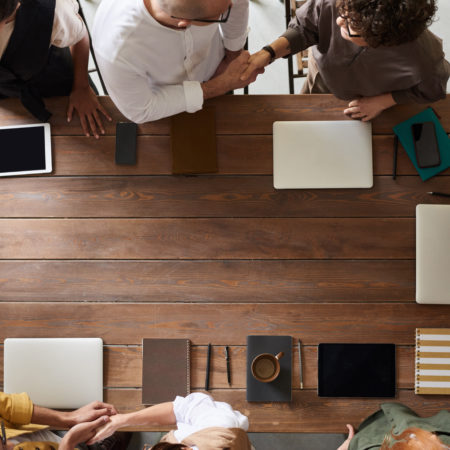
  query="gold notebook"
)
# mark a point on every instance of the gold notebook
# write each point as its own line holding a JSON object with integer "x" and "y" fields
{"x": 432, "y": 361}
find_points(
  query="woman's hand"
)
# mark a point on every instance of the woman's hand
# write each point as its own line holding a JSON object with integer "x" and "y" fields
{"x": 85, "y": 102}
{"x": 82, "y": 432}
{"x": 367, "y": 108}
{"x": 346, "y": 443}
{"x": 107, "y": 429}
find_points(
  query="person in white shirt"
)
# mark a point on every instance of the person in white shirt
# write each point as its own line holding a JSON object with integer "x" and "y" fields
{"x": 201, "y": 423}
{"x": 44, "y": 52}
{"x": 162, "y": 57}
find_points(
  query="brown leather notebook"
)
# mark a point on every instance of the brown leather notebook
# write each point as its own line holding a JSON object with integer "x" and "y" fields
{"x": 166, "y": 367}
{"x": 193, "y": 142}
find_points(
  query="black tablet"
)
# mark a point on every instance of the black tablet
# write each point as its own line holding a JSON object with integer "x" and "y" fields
{"x": 356, "y": 370}
{"x": 25, "y": 149}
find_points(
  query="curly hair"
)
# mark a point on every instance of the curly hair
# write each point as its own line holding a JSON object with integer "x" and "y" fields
{"x": 7, "y": 7}
{"x": 387, "y": 22}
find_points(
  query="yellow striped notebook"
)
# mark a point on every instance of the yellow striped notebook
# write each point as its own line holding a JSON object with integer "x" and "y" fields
{"x": 432, "y": 361}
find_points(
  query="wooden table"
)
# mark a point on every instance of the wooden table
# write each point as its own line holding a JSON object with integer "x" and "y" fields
{"x": 124, "y": 253}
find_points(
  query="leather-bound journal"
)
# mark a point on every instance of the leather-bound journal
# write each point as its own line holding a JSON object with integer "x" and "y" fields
{"x": 193, "y": 142}
{"x": 278, "y": 390}
{"x": 165, "y": 369}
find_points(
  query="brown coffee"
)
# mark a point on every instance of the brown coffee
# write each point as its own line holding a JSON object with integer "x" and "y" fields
{"x": 265, "y": 368}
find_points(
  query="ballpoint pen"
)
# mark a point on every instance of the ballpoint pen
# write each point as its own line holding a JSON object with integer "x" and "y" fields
{"x": 3, "y": 440}
{"x": 208, "y": 362}
{"x": 227, "y": 357}
{"x": 300, "y": 363}
{"x": 440, "y": 194}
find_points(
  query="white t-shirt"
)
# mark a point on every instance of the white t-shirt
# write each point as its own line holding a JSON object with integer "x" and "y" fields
{"x": 198, "y": 411}
{"x": 68, "y": 27}
{"x": 153, "y": 71}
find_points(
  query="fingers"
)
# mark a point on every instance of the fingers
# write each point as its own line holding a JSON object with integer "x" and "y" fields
{"x": 104, "y": 112}
{"x": 108, "y": 406}
{"x": 93, "y": 126}
{"x": 84, "y": 126}
{"x": 351, "y": 431}
{"x": 69, "y": 112}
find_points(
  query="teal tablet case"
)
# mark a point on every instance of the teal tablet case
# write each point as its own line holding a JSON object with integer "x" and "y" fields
{"x": 404, "y": 133}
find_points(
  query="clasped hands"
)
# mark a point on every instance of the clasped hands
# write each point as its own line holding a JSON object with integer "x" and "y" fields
{"x": 84, "y": 423}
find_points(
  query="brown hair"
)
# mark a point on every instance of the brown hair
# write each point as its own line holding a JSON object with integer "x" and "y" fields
{"x": 166, "y": 446}
{"x": 7, "y": 7}
{"x": 413, "y": 439}
{"x": 387, "y": 22}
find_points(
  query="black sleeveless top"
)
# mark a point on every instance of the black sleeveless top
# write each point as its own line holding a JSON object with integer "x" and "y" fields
{"x": 30, "y": 67}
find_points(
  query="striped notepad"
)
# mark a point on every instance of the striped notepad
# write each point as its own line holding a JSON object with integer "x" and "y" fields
{"x": 432, "y": 361}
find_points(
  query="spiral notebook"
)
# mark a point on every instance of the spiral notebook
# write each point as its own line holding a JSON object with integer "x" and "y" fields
{"x": 166, "y": 366}
{"x": 432, "y": 361}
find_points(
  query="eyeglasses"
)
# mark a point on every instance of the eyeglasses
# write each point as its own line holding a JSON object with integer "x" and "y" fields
{"x": 222, "y": 19}
{"x": 348, "y": 28}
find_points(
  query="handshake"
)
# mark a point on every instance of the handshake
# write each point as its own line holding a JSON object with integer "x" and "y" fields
{"x": 236, "y": 70}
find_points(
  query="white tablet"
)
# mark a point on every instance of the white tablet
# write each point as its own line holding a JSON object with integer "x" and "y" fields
{"x": 25, "y": 149}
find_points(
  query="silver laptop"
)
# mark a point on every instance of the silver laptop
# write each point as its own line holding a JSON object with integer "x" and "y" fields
{"x": 433, "y": 254}
{"x": 322, "y": 154}
{"x": 56, "y": 373}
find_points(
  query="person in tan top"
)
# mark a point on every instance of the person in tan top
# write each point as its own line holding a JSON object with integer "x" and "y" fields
{"x": 44, "y": 52}
{"x": 374, "y": 54}
{"x": 26, "y": 426}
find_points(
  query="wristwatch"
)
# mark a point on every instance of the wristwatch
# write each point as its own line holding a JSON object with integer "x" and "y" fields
{"x": 271, "y": 51}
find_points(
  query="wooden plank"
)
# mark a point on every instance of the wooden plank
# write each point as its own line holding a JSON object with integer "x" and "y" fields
{"x": 209, "y": 197}
{"x": 123, "y": 367}
{"x": 207, "y": 238}
{"x": 77, "y": 155}
{"x": 208, "y": 281}
{"x": 306, "y": 413}
{"x": 235, "y": 114}
{"x": 225, "y": 324}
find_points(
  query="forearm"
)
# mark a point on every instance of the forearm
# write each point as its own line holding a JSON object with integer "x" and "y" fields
{"x": 80, "y": 57}
{"x": 281, "y": 47}
{"x": 161, "y": 414}
{"x": 51, "y": 417}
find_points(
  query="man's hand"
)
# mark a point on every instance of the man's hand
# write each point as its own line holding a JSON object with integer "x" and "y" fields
{"x": 256, "y": 62}
{"x": 230, "y": 79}
{"x": 90, "y": 412}
{"x": 82, "y": 432}
{"x": 346, "y": 443}
{"x": 85, "y": 102}
{"x": 107, "y": 429}
{"x": 367, "y": 108}
{"x": 229, "y": 56}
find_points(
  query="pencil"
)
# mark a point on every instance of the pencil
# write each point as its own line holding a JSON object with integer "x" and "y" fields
{"x": 300, "y": 363}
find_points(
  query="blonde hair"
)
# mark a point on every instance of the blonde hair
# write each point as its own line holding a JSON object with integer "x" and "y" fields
{"x": 413, "y": 439}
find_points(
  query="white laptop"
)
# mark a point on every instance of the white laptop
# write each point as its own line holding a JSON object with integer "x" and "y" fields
{"x": 322, "y": 154}
{"x": 433, "y": 254}
{"x": 56, "y": 373}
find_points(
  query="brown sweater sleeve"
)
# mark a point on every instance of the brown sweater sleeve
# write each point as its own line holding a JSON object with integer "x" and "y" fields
{"x": 303, "y": 30}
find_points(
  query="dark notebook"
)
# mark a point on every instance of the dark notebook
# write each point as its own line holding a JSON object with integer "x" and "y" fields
{"x": 193, "y": 142}
{"x": 165, "y": 369}
{"x": 278, "y": 390}
{"x": 356, "y": 370}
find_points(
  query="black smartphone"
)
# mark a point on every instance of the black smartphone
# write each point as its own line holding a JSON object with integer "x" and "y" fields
{"x": 126, "y": 143}
{"x": 426, "y": 145}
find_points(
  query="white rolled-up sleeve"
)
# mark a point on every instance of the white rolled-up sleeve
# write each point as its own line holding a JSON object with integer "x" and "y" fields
{"x": 141, "y": 102}
{"x": 234, "y": 31}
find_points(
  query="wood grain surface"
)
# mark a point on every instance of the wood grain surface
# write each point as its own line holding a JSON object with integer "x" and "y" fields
{"x": 127, "y": 252}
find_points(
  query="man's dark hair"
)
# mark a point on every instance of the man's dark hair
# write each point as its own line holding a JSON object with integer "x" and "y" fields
{"x": 168, "y": 446}
{"x": 7, "y": 7}
{"x": 387, "y": 22}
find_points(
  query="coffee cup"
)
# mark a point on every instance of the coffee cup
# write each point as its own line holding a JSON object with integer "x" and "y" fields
{"x": 266, "y": 367}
